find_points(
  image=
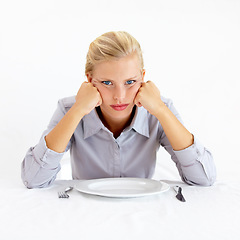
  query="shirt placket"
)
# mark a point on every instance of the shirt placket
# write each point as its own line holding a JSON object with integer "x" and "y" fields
{"x": 116, "y": 160}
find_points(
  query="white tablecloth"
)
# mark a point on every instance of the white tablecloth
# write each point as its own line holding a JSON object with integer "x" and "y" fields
{"x": 208, "y": 213}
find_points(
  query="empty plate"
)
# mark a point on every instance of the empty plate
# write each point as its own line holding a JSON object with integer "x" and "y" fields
{"x": 121, "y": 187}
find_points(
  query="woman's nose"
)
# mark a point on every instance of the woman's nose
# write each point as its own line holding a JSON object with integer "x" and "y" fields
{"x": 119, "y": 93}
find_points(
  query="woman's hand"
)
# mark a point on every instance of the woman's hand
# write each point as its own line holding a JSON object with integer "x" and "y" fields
{"x": 149, "y": 97}
{"x": 88, "y": 97}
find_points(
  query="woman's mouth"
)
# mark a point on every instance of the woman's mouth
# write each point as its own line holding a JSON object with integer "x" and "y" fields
{"x": 119, "y": 107}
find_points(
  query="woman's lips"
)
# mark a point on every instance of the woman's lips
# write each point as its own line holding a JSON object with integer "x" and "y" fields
{"x": 119, "y": 107}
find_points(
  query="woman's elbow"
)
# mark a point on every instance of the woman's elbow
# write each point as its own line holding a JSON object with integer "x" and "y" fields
{"x": 205, "y": 181}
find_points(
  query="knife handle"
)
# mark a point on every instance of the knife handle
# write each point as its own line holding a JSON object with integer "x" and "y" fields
{"x": 176, "y": 189}
{"x": 179, "y": 195}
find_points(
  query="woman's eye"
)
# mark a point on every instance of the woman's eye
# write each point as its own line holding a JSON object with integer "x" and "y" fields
{"x": 130, "y": 82}
{"x": 107, "y": 82}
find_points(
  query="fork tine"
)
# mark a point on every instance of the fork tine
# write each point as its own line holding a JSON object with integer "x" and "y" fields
{"x": 63, "y": 195}
{"x": 60, "y": 194}
{"x": 66, "y": 195}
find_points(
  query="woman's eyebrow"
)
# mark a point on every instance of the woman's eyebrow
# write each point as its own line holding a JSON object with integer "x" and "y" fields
{"x": 105, "y": 79}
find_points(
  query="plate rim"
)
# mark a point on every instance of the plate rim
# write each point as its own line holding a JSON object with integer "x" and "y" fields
{"x": 165, "y": 187}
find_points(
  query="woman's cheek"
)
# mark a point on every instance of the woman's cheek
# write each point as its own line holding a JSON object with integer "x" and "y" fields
{"x": 104, "y": 92}
{"x": 134, "y": 91}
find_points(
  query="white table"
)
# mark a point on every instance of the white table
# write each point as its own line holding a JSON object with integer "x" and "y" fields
{"x": 208, "y": 213}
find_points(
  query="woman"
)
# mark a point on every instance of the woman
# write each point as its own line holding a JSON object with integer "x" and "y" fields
{"x": 115, "y": 124}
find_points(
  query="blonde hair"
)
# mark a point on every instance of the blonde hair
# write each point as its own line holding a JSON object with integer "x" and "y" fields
{"x": 112, "y": 46}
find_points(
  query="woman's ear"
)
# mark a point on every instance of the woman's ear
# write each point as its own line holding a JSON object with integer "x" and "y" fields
{"x": 143, "y": 74}
{"x": 89, "y": 77}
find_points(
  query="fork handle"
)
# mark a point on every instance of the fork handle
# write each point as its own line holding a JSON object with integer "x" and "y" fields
{"x": 68, "y": 189}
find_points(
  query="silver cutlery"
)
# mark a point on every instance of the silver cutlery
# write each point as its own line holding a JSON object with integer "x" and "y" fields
{"x": 64, "y": 194}
{"x": 179, "y": 195}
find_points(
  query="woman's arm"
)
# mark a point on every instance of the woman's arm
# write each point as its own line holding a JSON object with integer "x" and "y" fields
{"x": 194, "y": 162}
{"x": 42, "y": 162}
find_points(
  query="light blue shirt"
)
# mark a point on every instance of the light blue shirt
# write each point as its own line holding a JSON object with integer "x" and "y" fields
{"x": 95, "y": 153}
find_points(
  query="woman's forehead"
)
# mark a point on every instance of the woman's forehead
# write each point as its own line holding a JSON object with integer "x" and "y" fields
{"x": 125, "y": 65}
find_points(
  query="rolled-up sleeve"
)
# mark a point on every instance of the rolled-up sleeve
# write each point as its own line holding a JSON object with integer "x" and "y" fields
{"x": 195, "y": 164}
{"x": 41, "y": 164}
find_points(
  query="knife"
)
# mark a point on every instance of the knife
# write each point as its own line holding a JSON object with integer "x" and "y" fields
{"x": 179, "y": 195}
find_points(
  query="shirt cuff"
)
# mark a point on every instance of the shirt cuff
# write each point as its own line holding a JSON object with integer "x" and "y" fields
{"x": 46, "y": 157}
{"x": 189, "y": 155}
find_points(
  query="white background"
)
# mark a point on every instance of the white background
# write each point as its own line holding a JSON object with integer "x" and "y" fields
{"x": 191, "y": 51}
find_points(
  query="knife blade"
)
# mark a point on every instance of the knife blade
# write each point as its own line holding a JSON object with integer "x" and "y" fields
{"x": 179, "y": 195}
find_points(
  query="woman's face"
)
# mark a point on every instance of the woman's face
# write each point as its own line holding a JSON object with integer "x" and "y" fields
{"x": 118, "y": 83}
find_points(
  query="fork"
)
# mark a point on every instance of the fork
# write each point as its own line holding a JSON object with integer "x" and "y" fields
{"x": 64, "y": 193}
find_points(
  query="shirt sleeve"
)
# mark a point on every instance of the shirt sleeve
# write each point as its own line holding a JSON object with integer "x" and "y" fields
{"x": 41, "y": 164}
{"x": 195, "y": 164}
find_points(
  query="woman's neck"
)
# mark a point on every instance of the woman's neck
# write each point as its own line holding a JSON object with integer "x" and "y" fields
{"x": 116, "y": 125}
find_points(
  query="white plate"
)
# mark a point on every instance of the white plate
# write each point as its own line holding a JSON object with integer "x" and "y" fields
{"x": 121, "y": 187}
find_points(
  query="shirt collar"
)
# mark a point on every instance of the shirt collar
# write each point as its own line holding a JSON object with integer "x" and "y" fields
{"x": 140, "y": 122}
{"x": 92, "y": 123}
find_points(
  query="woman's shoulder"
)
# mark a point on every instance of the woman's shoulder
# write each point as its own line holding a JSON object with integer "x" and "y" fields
{"x": 167, "y": 101}
{"x": 67, "y": 102}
